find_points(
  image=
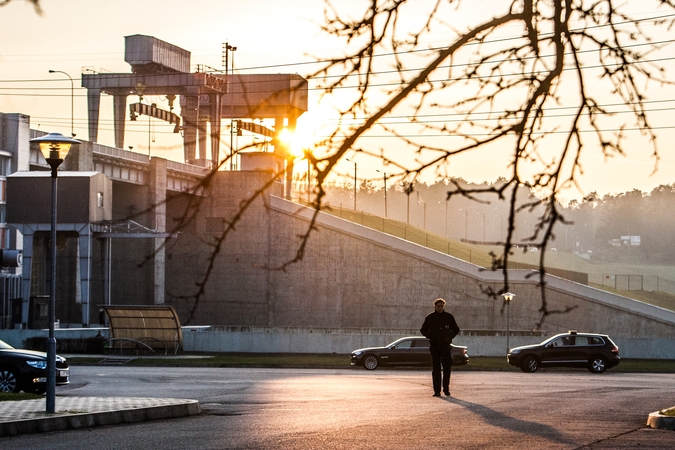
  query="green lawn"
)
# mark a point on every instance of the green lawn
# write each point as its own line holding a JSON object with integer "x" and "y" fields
{"x": 6, "y": 397}
{"x": 334, "y": 361}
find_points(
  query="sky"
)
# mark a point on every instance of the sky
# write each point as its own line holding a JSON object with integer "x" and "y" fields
{"x": 274, "y": 36}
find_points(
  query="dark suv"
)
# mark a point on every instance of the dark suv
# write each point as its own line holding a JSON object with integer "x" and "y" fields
{"x": 596, "y": 352}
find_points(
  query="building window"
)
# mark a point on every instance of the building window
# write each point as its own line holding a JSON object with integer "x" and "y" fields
{"x": 5, "y": 165}
{"x": 99, "y": 199}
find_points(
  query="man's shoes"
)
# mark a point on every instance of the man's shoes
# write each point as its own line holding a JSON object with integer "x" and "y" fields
{"x": 447, "y": 393}
{"x": 437, "y": 394}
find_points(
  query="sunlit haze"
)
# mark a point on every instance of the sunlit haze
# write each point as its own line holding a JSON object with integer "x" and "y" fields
{"x": 271, "y": 36}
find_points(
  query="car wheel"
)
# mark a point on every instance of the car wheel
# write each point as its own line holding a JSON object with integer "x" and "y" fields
{"x": 8, "y": 381}
{"x": 530, "y": 364}
{"x": 597, "y": 365}
{"x": 370, "y": 362}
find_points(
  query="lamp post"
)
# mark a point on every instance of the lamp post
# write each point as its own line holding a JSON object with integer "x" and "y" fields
{"x": 483, "y": 227}
{"x": 424, "y": 217}
{"x": 309, "y": 169}
{"x": 54, "y": 148}
{"x": 354, "y": 162}
{"x": 466, "y": 223}
{"x": 72, "y": 101}
{"x": 446, "y": 218}
{"x": 508, "y": 296}
{"x": 385, "y": 192}
{"x": 408, "y": 189}
{"x": 227, "y": 48}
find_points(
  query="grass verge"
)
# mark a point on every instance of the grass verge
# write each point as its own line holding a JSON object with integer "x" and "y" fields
{"x": 7, "y": 397}
{"x": 336, "y": 361}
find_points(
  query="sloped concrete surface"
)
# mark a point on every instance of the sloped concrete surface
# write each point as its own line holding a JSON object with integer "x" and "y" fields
{"x": 29, "y": 416}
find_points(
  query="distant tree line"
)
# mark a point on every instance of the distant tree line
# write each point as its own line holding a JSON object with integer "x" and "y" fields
{"x": 599, "y": 223}
{"x": 632, "y": 226}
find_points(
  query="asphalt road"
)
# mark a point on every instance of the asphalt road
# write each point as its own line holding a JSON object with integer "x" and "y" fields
{"x": 384, "y": 409}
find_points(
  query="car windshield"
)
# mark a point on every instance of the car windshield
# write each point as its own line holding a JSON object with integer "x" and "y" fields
{"x": 396, "y": 343}
{"x": 551, "y": 339}
{"x": 5, "y": 346}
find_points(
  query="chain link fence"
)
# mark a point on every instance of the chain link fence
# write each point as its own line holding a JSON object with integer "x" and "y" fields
{"x": 626, "y": 282}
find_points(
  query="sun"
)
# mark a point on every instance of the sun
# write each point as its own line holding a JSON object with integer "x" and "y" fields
{"x": 292, "y": 141}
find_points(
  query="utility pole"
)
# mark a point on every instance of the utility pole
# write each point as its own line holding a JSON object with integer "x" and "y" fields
{"x": 354, "y": 162}
{"x": 385, "y": 192}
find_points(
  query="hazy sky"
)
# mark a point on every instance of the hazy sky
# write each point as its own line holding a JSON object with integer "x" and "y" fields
{"x": 276, "y": 36}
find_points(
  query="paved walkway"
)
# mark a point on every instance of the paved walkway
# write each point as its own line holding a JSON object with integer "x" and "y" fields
{"x": 29, "y": 416}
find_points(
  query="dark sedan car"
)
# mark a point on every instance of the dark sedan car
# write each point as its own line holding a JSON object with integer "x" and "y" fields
{"x": 596, "y": 352}
{"x": 26, "y": 370}
{"x": 407, "y": 351}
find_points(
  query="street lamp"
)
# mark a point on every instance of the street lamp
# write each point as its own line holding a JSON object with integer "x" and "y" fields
{"x": 72, "y": 101}
{"x": 508, "y": 296}
{"x": 466, "y": 223}
{"x": 54, "y": 148}
{"x": 424, "y": 217}
{"x": 483, "y": 227}
{"x": 308, "y": 154}
{"x": 446, "y": 218}
{"x": 309, "y": 171}
{"x": 501, "y": 227}
{"x": 354, "y": 162}
{"x": 229, "y": 48}
{"x": 408, "y": 189}
{"x": 385, "y": 192}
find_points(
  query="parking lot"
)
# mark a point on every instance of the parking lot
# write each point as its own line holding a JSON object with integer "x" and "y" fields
{"x": 355, "y": 408}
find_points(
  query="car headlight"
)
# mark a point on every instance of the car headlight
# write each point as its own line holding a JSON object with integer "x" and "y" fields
{"x": 37, "y": 364}
{"x": 515, "y": 351}
{"x": 357, "y": 353}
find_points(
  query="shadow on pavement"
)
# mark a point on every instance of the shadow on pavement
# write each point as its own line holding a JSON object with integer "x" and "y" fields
{"x": 510, "y": 423}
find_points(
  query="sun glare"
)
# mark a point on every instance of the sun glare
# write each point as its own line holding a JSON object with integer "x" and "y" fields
{"x": 299, "y": 140}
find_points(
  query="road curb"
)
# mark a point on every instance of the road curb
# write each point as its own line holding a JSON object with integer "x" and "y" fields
{"x": 658, "y": 420}
{"x": 67, "y": 421}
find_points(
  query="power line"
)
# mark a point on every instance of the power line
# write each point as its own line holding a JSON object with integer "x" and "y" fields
{"x": 372, "y": 85}
{"x": 454, "y": 117}
{"x": 653, "y": 18}
{"x": 431, "y": 49}
{"x": 491, "y": 41}
{"x": 398, "y": 83}
{"x": 534, "y": 133}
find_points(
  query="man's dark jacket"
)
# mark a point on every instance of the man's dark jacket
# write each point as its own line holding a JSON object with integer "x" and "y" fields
{"x": 440, "y": 329}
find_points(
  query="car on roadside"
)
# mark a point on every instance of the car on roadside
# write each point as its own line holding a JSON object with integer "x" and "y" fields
{"x": 596, "y": 352}
{"x": 26, "y": 370}
{"x": 407, "y": 351}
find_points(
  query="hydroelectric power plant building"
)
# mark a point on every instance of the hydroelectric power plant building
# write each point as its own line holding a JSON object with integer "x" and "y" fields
{"x": 135, "y": 230}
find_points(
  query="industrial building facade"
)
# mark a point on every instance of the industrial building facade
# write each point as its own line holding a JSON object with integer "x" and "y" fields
{"x": 135, "y": 230}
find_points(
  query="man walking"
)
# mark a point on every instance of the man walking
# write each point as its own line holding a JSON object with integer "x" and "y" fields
{"x": 440, "y": 328}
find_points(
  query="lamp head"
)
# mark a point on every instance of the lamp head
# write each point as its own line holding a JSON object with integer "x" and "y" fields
{"x": 54, "y": 145}
{"x": 508, "y": 296}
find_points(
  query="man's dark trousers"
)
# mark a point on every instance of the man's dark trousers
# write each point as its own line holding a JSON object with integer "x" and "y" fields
{"x": 441, "y": 357}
